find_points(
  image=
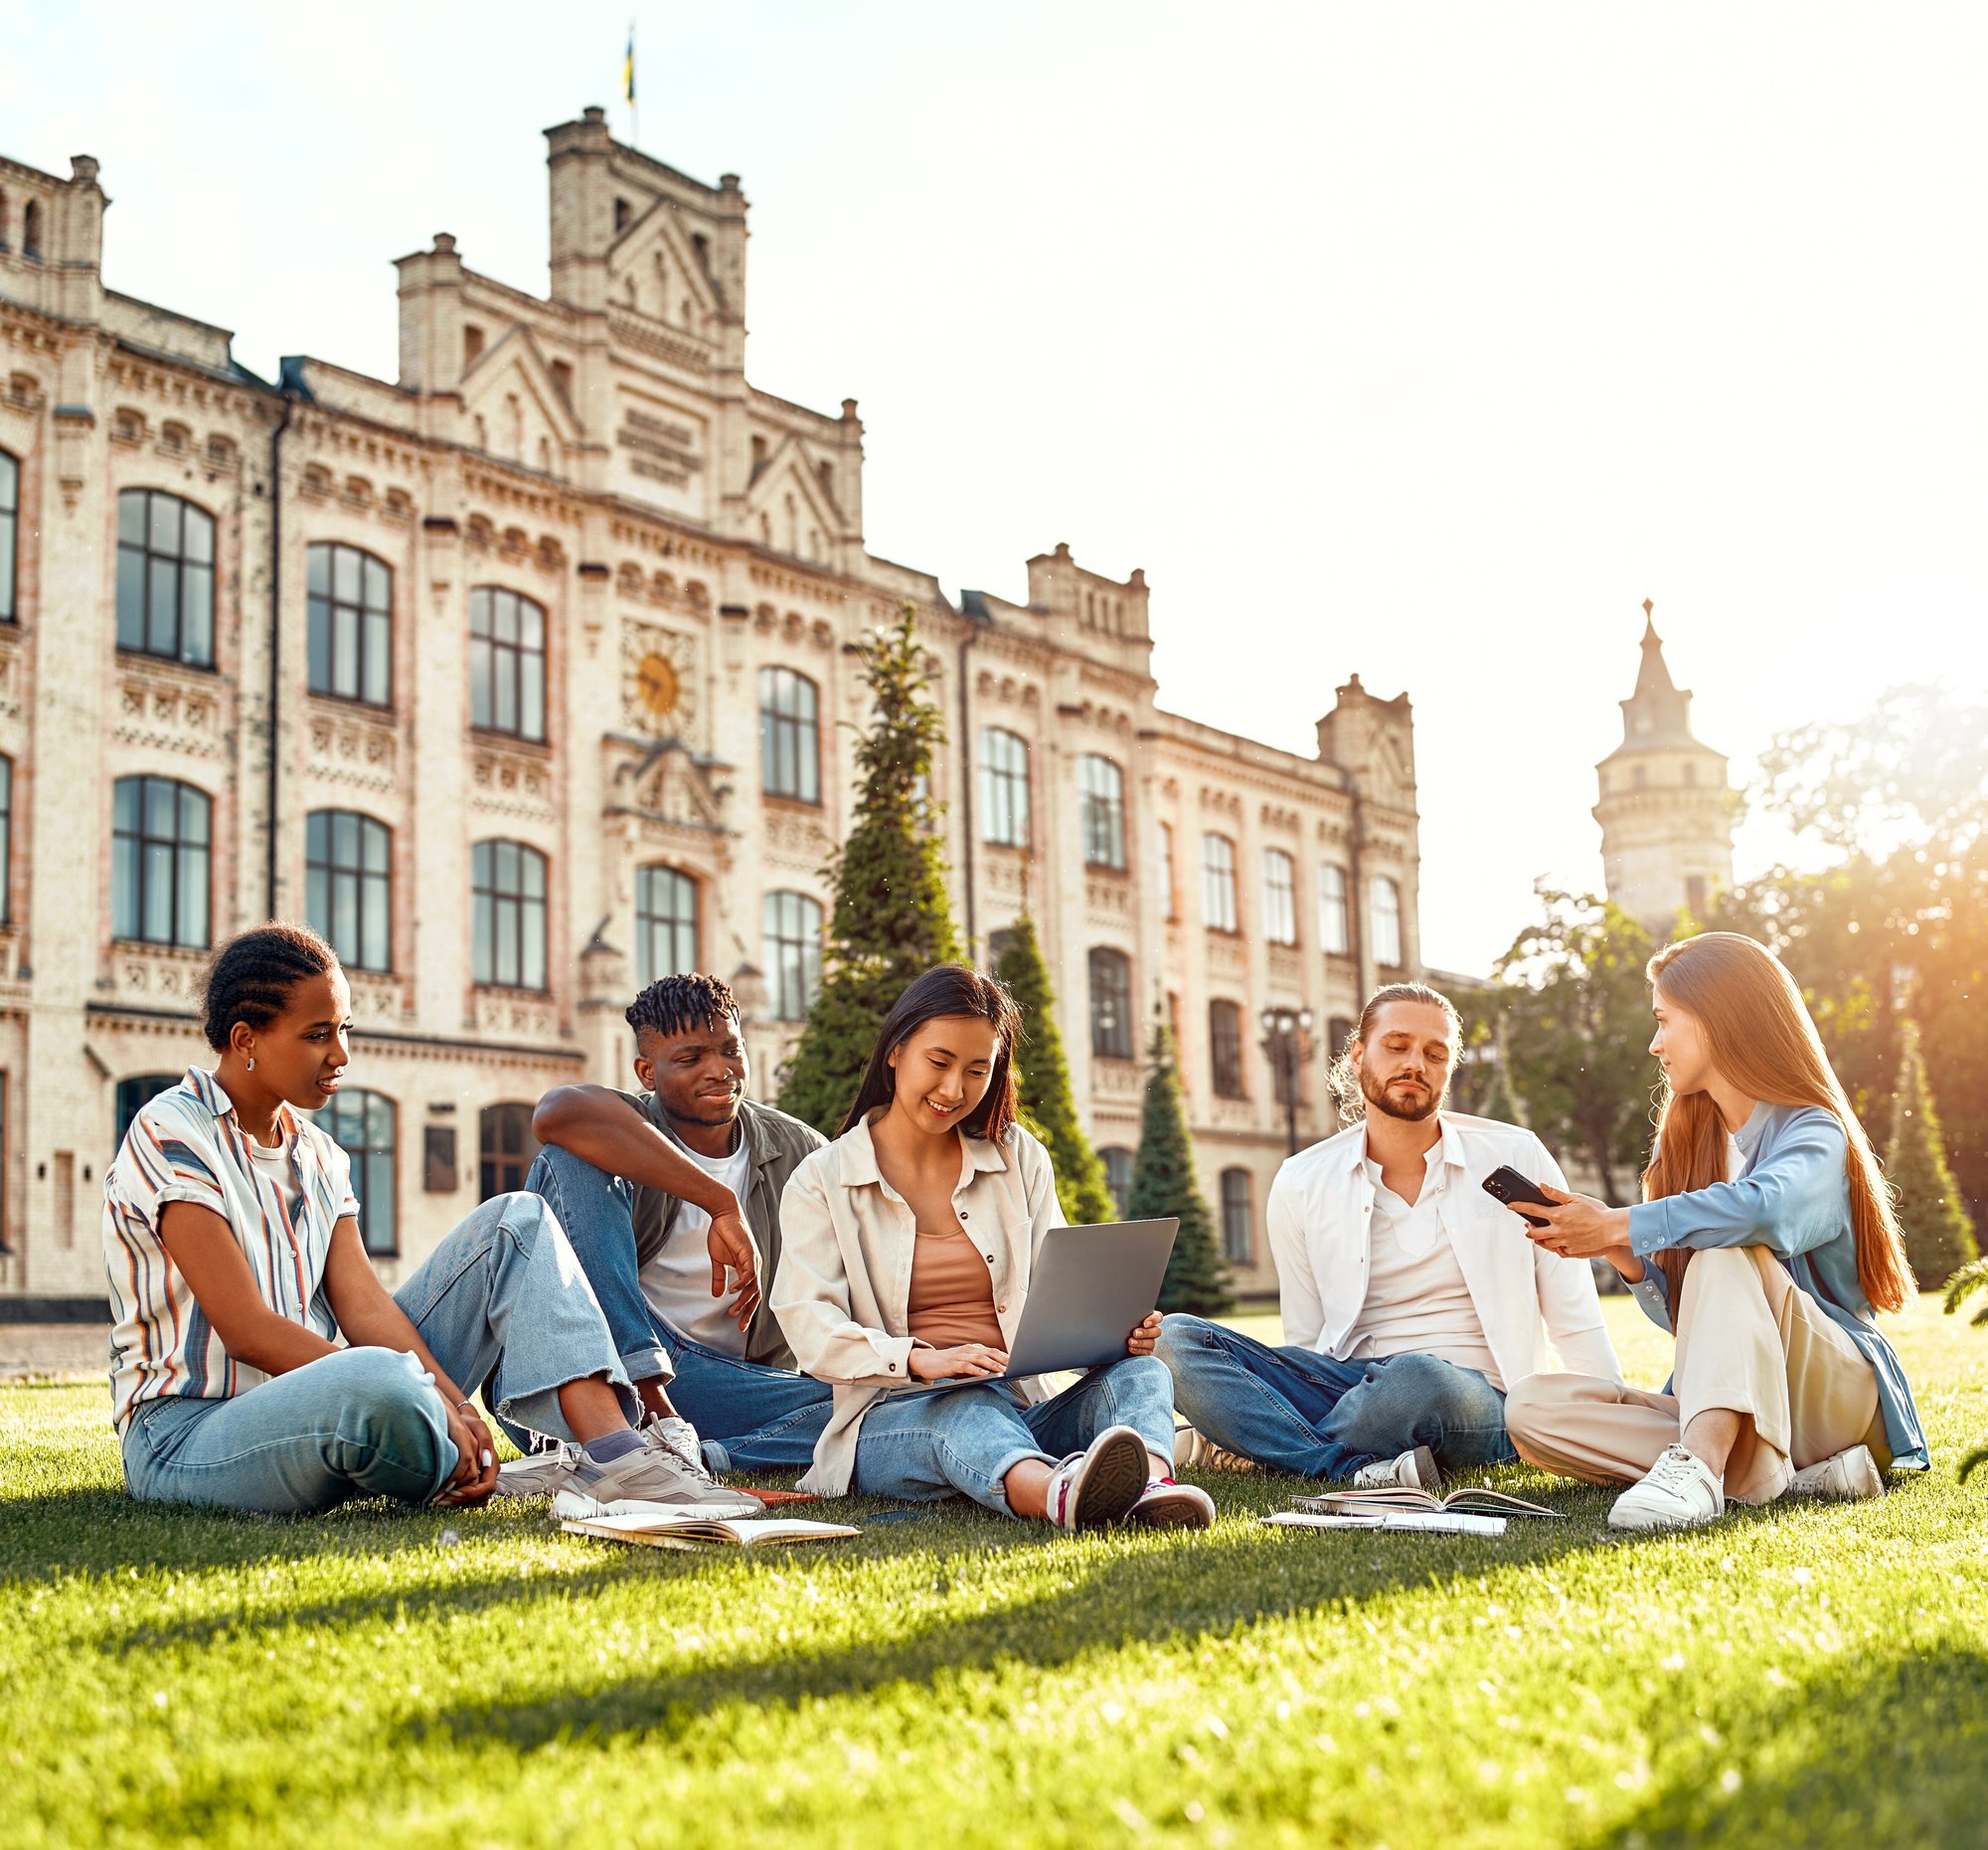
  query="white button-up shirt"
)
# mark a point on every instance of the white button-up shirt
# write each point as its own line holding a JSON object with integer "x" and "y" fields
{"x": 1320, "y": 1225}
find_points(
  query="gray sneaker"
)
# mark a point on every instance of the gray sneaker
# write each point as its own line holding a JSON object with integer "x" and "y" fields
{"x": 537, "y": 1473}
{"x": 640, "y": 1482}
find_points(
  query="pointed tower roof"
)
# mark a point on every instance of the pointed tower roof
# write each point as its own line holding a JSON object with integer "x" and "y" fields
{"x": 1657, "y": 715}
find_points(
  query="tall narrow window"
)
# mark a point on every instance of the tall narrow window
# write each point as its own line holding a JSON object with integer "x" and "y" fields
{"x": 1280, "y": 897}
{"x": 1218, "y": 883}
{"x": 10, "y": 529}
{"x": 348, "y": 886}
{"x": 1101, "y": 806}
{"x": 161, "y": 835}
{"x": 135, "y": 1093}
{"x": 1169, "y": 884}
{"x": 1225, "y": 1049}
{"x": 665, "y": 924}
{"x": 1110, "y": 1004}
{"x": 1385, "y": 910}
{"x": 789, "y": 735}
{"x": 507, "y": 663}
{"x": 508, "y": 914}
{"x": 1237, "y": 1218}
{"x": 362, "y": 1124}
{"x": 6, "y": 841}
{"x": 1004, "y": 787}
{"x": 1333, "y": 936}
{"x": 165, "y": 577}
{"x": 791, "y": 928}
{"x": 506, "y": 1149}
{"x": 351, "y": 610}
{"x": 1118, "y": 1173}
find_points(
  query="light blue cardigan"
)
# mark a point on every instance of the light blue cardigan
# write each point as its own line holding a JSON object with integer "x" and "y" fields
{"x": 1794, "y": 1198}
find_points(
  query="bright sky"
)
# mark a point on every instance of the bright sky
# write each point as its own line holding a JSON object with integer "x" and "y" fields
{"x": 1425, "y": 341}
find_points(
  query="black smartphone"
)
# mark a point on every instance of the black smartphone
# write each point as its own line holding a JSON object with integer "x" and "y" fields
{"x": 1506, "y": 1184}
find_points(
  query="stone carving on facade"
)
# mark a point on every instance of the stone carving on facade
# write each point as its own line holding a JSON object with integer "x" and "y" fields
{"x": 793, "y": 836}
{"x": 1225, "y": 953}
{"x": 1108, "y": 898}
{"x": 352, "y": 748}
{"x": 156, "y": 707}
{"x": 507, "y": 780}
{"x": 1115, "y": 1078}
{"x": 516, "y": 1015}
{"x": 374, "y": 998}
{"x": 1007, "y": 875}
{"x": 157, "y": 975}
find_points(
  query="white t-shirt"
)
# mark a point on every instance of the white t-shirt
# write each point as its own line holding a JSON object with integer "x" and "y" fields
{"x": 1418, "y": 1303}
{"x": 677, "y": 1281}
{"x": 276, "y": 1166}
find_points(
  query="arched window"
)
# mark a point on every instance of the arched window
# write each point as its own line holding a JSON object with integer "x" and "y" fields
{"x": 508, "y": 914}
{"x": 1334, "y": 936}
{"x": 665, "y": 924}
{"x": 1237, "y": 1218}
{"x": 165, "y": 576}
{"x": 10, "y": 532}
{"x": 506, "y": 1149}
{"x": 31, "y": 229}
{"x": 6, "y": 841}
{"x": 1117, "y": 1173}
{"x": 1384, "y": 903}
{"x": 789, "y": 735}
{"x": 507, "y": 663}
{"x": 791, "y": 928}
{"x": 1110, "y": 1004}
{"x": 348, "y": 886}
{"x": 363, "y": 1124}
{"x": 1101, "y": 811}
{"x": 135, "y": 1093}
{"x": 1218, "y": 883}
{"x": 1280, "y": 897}
{"x": 1004, "y": 787}
{"x": 161, "y": 835}
{"x": 351, "y": 605}
{"x": 1225, "y": 1049}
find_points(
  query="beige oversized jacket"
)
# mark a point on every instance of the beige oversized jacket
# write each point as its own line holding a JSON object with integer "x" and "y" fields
{"x": 845, "y": 1278}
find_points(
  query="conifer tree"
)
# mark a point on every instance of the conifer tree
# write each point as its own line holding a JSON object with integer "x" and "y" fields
{"x": 1163, "y": 1183}
{"x": 1940, "y": 1237}
{"x": 1043, "y": 1074}
{"x": 1498, "y": 1102}
{"x": 891, "y": 920}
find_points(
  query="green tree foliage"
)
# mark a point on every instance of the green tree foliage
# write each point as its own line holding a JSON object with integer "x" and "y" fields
{"x": 1481, "y": 1084}
{"x": 1969, "y": 1280}
{"x": 1575, "y": 1031}
{"x": 1049, "y": 1107}
{"x": 1163, "y": 1183}
{"x": 1940, "y": 1237}
{"x": 891, "y": 920}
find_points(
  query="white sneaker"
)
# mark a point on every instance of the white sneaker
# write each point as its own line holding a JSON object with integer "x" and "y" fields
{"x": 1677, "y": 1492}
{"x": 1096, "y": 1488}
{"x": 1168, "y": 1505}
{"x": 1196, "y": 1451}
{"x": 1412, "y": 1470}
{"x": 678, "y": 1436}
{"x": 537, "y": 1473}
{"x": 1851, "y": 1476}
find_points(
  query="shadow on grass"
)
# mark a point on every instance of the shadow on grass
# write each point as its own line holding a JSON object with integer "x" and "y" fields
{"x": 1862, "y": 1754}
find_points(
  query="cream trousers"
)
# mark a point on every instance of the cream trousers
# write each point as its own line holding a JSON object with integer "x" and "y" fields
{"x": 1749, "y": 1341}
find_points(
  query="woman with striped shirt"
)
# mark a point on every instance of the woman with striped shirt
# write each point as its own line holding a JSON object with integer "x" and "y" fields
{"x": 232, "y": 1252}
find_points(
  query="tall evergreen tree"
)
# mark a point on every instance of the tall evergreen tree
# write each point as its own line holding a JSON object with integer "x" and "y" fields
{"x": 1940, "y": 1237}
{"x": 1047, "y": 1107}
{"x": 891, "y": 920}
{"x": 1163, "y": 1183}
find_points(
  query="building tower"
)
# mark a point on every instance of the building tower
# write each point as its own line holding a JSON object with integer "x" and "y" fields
{"x": 1666, "y": 808}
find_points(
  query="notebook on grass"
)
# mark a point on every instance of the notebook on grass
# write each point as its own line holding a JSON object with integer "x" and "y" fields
{"x": 1474, "y": 1499}
{"x": 1425, "y": 1522}
{"x": 663, "y": 1530}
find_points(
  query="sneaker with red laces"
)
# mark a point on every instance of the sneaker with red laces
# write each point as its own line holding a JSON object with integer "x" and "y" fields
{"x": 1167, "y": 1505}
{"x": 1096, "y": 1487}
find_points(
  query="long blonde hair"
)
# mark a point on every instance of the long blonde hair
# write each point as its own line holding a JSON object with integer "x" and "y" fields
{"x": 1760, "y": 1038}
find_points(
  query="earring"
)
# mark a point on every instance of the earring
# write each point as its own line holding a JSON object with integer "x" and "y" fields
{"x": 251, "y": 1063}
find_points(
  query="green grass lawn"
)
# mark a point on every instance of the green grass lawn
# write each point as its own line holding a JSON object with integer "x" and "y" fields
{"x": 1808, "y": 1674}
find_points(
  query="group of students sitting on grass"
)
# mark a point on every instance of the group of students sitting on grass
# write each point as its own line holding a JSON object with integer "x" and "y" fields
{"x": 695, "y": 1285}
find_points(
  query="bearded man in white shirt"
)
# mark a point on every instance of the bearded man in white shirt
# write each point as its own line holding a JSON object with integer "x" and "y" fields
{"x": 1411, "y": 1299}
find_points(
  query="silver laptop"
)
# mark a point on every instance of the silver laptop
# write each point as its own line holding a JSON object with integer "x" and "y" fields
{"x": 1089, "y": 1287}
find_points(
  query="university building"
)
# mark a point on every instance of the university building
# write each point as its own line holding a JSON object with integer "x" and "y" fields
{"x": 526, "y": 678}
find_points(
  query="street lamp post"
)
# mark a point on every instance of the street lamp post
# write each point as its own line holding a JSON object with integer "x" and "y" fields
{"x": 1287, "y": 1044}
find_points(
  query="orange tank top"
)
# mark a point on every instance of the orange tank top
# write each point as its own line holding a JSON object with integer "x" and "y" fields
{"x": 952, "y": 1295}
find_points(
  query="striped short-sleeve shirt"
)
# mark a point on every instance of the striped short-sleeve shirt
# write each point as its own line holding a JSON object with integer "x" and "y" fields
{"x": 187, "y": 1146}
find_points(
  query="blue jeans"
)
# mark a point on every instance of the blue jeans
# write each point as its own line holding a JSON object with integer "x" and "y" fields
{"x": 501, "y": 1299}
{"x": 750, "y": 1417}
{"x": 925, "y": 1446}
{"x": 1297, "y": 1411}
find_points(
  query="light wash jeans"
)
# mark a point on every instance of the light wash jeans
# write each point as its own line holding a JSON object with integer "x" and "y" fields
{"x": 750, "y": 1417}
{"x": 925, "y": 1446}
{"x": 1297, "y": 1411}
{"x": 502, "y": 1299}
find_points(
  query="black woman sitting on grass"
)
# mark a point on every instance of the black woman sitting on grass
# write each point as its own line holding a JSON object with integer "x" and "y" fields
{"x": 908, "y": 1247}
{"x": 232, "y": 1252}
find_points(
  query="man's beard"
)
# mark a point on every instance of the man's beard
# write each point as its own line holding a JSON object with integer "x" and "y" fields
{"x": 1376, "y": 1094}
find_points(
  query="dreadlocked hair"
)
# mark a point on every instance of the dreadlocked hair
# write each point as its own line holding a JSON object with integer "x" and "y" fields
{"x": 250, "y": 978}
{"x": 676, "y": 1004}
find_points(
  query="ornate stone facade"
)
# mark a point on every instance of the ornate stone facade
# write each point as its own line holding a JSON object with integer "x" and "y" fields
{"x": 598, "y": 455}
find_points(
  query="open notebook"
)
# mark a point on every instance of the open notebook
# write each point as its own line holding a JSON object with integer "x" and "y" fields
{"x": 1473, "y": 1499}
{"x": 663, "y": 1530}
